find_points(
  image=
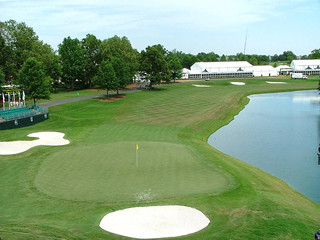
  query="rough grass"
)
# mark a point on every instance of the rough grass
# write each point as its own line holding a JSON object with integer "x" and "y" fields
{"x": 55, "y": 192}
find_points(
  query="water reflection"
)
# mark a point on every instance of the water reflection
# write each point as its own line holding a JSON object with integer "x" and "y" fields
{"x": 279, "y": 133}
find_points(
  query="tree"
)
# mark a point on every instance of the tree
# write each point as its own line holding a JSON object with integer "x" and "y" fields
{"x": 208, "y": 57}
{"x": 175, "y": 67}
{"x": 154, "y": 64}
{"x": 32, "y": 78}
{"x": 17, "y": 41}
{"x": 122, "y": 72}
{"x": 223, "y": 58}
{"x": 121, "y": 48}
{"x": 72, "y": 61}
{"x": 91, "y": 46}
{"x": 287, "y": 56}
{"x": 315, "y": 54}
{"x": 2, "y": 75}
{"x": 106, "y": 77}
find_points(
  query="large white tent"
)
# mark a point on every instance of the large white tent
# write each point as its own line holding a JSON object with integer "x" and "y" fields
{"x": 265, "y": 71}
{"x": 207, "y": 70}
{"x": 308, "y": 67}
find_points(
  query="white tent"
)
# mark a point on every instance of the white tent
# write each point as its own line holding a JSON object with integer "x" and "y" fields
{"x": 309, "y": 67}
{"x": 265, "y": 71}
{"x": 221, "y": 67}
{"x": 209, "y": 70}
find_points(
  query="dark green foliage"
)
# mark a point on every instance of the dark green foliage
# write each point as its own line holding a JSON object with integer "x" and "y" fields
{"x": 175, "y": 67}
{"x": 154, "y": 64}
{"x": 18, "y": 42}
{"x": 315, "y": 54}
{"x": 122, "y": 72}
{"x": 106, "y": 77}
{"x": 92, "y": 55}
{"x": 208, "y": 57}
{"x": 73, "y": 62}
{"x": 120, "y": 48}
{"x": 33, "y": 79}
{"x": 1, "y": 77}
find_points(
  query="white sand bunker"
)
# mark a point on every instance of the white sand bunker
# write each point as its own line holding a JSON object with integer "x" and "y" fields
{"x": 155, "y": 222}
{"x": 238, "y": 83}
{"x": 200, "y": 85}
{"x": 276, "y": 82}
{"x": 45, "y": 138}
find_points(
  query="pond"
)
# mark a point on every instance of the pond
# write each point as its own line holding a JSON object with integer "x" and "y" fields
{"x": 280, "y": 134}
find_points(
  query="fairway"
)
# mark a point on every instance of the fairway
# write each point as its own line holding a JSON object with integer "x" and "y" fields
{"x": 111, "y": 172}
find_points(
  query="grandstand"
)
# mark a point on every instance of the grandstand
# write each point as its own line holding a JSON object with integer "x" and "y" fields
{"x": 22, "y": 116}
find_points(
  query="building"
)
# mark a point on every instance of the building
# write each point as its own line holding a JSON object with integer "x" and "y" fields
{"x": 209, "y": 70}
{"x": 185, "y": 73}
{"x": 265, "y": 71}
{"x": 306, "y": 67}
{"x": 284, "y": 69}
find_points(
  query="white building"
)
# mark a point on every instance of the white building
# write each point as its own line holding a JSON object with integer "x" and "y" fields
{"x": 307, "y": 67}
{"x": 284, "y": 69}
{"x": 265, "y": 71}
{"x": 208, "y": 70}
{"x": 185, "y": 73}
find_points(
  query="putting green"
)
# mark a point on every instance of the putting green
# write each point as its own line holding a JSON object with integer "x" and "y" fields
{"x": 109, "y": 172}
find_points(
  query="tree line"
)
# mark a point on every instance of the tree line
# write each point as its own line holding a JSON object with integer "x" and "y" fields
{"x": 110, "y": 64}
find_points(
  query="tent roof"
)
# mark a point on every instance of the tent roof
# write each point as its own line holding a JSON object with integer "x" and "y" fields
{"x": 306, "y": 62}
{"x": 263, "y": 67}
{"x": 223, "y": 64}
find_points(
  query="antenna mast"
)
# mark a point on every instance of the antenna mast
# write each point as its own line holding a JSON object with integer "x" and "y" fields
{"x": 245, "y": 43}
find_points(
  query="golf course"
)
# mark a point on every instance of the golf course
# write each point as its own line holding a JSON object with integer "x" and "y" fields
{"x": 148, "y": 148}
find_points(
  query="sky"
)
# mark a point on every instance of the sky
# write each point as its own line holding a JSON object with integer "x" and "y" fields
{"x": 190, "y": 26}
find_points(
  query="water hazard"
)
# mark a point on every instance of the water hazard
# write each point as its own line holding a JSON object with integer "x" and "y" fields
{"x": 280, "y": 134}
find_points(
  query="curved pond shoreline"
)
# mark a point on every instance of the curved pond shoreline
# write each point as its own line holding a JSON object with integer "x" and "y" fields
{"x": 278, "y": 133}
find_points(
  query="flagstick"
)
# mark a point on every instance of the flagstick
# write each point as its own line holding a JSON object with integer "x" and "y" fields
{"x": 137, "y": 160}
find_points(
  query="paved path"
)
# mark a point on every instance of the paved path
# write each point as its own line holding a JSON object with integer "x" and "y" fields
{"x": 69, "y": 100}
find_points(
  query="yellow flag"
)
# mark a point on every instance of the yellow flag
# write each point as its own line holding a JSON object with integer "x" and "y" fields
{"x": 137, "y": 146}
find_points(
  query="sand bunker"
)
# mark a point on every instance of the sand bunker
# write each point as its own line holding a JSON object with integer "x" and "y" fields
{"x": 155, "y": 222}
{"x": 238, "y": 83}
{"x": 276, "y": 82}
{"x": 45, "y": 138}
{"x": 200, "y": 85}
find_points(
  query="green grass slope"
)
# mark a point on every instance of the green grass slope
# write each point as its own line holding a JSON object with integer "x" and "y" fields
{"x": 63, "y": 192}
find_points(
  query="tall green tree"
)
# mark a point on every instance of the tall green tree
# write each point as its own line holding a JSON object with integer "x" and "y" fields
{"x": 315, "y": 54}
{"x": 33, "y": 79}
{"x": 154, "y": 64}
{"x": 175, "y": 67}
{"x": 73, "y": 62}
{"x": 122, "y": 72}
{"x": 287, "y": 56}
{"x": 121, "y": 48}
{"x": 92, "y": 55}
{"x": 18, "y": 41}
{"x": 106, "y": 78}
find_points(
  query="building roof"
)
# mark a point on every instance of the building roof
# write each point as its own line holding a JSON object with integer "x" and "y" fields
{"x": 223, "y": 64}
{"x": 306, "y": 62}
{"x": 263, "y": 68}
{"x": 282, "y": 67}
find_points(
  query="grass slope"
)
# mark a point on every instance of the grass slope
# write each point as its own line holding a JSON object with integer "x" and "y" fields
{"x": 63, "y": 192}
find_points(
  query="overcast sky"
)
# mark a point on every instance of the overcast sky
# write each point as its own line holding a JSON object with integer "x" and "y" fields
{"x": 191, "y": 26}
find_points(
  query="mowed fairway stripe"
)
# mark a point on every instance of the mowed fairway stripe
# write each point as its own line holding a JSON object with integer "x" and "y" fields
{"x": 108, "y": 172}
